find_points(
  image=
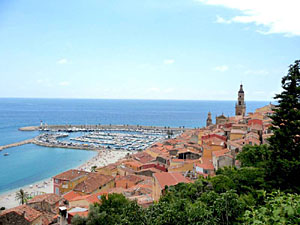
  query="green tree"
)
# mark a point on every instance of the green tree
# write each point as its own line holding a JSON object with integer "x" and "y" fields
{"x": 254, "y": 156}
{"x": 77, "y": 220}
{"x": 279, "y": 208}
{"x": 115, "y": 209}
{"x": 22, "y": 196}
{"x": 226, "y": 207}
{"x": 244, "y": 180}
{"x": 284, "y": 165}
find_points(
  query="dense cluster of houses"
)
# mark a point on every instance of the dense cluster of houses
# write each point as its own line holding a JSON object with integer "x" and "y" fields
{"x": 143, "y": 176}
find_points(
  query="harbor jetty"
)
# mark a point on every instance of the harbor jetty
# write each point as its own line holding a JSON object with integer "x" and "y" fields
{"x": 29, "y": 141}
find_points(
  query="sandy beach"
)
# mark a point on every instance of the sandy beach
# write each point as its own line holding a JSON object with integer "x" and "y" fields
{"x": 104, "y": 157}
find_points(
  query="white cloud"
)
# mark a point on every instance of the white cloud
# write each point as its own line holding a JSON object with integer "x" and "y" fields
{"x": 222, "y": 20}
{"x": 169, "y": 61}
{"x": 275, "y": 16}
{"x": 64, "y": 83}
{"x": 221, "y": 68}
{"x": 62, "y": 61}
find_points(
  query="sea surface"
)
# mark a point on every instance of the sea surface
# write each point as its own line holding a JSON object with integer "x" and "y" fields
{"x": 30, "y": 163}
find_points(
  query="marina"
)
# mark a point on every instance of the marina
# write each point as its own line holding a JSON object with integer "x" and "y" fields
{"x": 115, "y": 139}
{"x": 101, "y": 127}
{"x": 98, "y": 137}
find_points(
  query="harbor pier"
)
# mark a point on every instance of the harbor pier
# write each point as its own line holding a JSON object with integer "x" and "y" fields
{"x": 29, "y": 141}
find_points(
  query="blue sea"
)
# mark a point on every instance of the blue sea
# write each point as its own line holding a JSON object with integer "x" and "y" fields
{"x": 29, "y": 163}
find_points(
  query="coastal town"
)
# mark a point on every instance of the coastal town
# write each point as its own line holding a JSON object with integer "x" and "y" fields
{"x": 151, "y": 162}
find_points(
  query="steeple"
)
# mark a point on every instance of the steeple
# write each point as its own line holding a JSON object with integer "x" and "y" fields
{"x": 240, "y": 107}
{"x": 208, "y": 120}
{"x": 241, "y": 89}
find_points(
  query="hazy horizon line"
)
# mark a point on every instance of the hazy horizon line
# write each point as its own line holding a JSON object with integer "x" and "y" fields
{"x": 57, "y": 98}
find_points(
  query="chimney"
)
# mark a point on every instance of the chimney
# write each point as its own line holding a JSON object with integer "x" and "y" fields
{"x": 63, "y": 216}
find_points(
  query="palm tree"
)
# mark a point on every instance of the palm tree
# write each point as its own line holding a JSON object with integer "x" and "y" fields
{"x": 22, "y": 196}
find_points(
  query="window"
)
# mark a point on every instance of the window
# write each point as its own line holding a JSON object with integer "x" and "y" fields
{"x": 57, "y": 190}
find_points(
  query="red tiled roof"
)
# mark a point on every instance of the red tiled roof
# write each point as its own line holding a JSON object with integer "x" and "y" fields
{"x": 82, "y": 214}
{"x": 255, "y": 121}
{"x": 206, "y": 166}
{"x": 133, "y": 163}
{"x": 49, "y": 198}
{"x": 30, "y": 213}
{"x": 93, "y": 182}
{"x": 112, "y": 190}
{"x": 71, "y": 195}
{"x": 70, "y": 175}
{"x": 168, "y": 179}
{"x": 206, "y": 163}
{"x": 220, "y": 152}
{"x": 143, "y": 157}
{"x": 89, "y": 198}
{"x": 133, "y": 178}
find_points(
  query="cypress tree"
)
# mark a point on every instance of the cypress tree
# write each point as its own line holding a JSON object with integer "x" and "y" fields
{"x": 284, "y": 164}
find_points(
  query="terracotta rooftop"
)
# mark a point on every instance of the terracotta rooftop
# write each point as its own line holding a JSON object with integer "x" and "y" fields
{"x": 70, "y": 195}
{"x": 112, "y": 190}
{"x": 165, "y": 178}
{"x": 143, "y": 157}
{"x": 49, "y": 198}
{"x": 133, "y": 178}
{"x": 133, "y": 163}
{"x": 81, "y": 214}
{"x": 220, "y": 152}
{"x": 71, "y": 175}
{"x": 92, "y": 183}
{"x": 205, "y": 165}
{"x": 152, "y": 169}
{"x": 30, "y": 213}
{"x": 93, "y": 198}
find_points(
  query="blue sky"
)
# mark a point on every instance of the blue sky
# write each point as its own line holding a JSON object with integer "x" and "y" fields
{"x": 146, "y": 49}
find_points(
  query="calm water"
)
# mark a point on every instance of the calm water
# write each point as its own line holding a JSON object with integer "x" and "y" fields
{"x": 30, "y": 163}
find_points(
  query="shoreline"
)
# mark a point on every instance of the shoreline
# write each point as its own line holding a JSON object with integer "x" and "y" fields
{"x": 102, "y": 158}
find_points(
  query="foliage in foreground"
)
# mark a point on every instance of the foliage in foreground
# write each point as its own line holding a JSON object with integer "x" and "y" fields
{"x": 278, "y": 209}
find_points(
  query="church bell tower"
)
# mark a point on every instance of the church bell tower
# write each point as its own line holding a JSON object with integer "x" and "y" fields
{"x": 208, "y": 120}
{"x": 240, "y": 106}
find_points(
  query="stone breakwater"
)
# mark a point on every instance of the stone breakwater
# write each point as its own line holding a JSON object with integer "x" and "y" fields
{"x": 29, "y": 141}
